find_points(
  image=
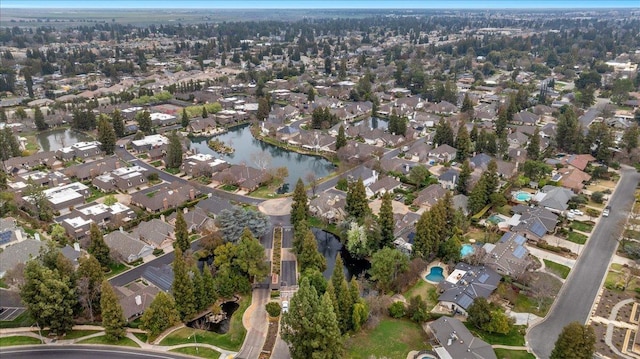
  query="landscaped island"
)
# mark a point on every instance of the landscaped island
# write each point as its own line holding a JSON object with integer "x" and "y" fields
{"x": 220, "y": 146}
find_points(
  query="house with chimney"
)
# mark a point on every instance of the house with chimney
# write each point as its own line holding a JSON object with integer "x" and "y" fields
{"x": 135, "y": 298}
{"x": 155, "y": 232}
{"x": 450, "y": 339}
{"x": 464, "y": 285}
{"x": 126, "y": 246}
{"x": 164, "y": 196}
{"x": 121, "y": 179}
{"x": 508, "y": 256}
{"x": 82, "y": 150}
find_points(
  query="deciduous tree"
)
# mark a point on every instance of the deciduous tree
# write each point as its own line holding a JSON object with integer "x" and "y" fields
{"x": 386, "y": 265}
{"x": 576, "y": 341}
{"x": 90, "y": 276}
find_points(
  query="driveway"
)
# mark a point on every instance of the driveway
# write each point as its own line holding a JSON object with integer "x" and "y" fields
{"x": 577, "y": 296}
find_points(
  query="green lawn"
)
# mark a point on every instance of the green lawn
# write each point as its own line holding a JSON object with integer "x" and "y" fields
{"x": 142, "y": 336}
{"x": 525, "y": 304}
{"x": 513, "y": 354}
{"x": 23, "y": 320}
{"x": 200, "y": 352}
{"x": 124, "y": 342}
{"x": 229, "y": 188}
{"x": 427, "y": 291}
{"x": 173, "y": 171}
{"x": 75, "y": 334}
{"x": 582, "y": 226}
{"x": 156, "y": 163}
{"x": 116, "y": 268}
{"x": 232, "y": 340}
{"x": 557, "y": 268}
{"x": 576, "y": 237}
{"x": 18, "y": 340}
{"x": 514, "y": 338}
{"x": 392, "y": 338}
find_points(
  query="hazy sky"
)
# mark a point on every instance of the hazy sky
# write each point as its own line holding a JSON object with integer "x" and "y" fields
{"x": 319, "y": 4}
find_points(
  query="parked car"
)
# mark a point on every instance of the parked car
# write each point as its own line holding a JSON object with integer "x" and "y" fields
{"x": 285, "y": 306}
{"x": 606, "y": 211}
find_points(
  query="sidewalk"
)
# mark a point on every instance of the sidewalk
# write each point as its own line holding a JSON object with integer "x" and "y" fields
{"x": 542, "y": 254}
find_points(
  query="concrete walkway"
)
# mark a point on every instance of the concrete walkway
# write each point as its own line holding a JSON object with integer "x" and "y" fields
{"x": 542, "y": 254}
{"x": 611, "y": 323}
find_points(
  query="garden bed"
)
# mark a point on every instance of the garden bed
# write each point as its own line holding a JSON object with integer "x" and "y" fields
{"x": 270, "y": 341}
{"x": 276, "y": 253}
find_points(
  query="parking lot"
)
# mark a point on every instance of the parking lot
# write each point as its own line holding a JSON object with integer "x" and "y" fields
{"x": 10, "y": 313}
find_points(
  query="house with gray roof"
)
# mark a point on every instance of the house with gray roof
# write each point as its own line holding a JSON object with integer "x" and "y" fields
{"x": 197, "y": 219}
{"x": 18, "y": 253}
{"x": 127, "y": 247}
{"x": 508, "y": 256}
{"x": 449, "y": 178}
{"x": 452, "y": 340}
{"x": 465, "y": 284}
{"x": 429, "y": 196}
{"x": 155, "y": 232}
{"x": 161, "y": 277}
{"x": 135, "y": 298}
{"x": 382, "y": 186}
{"x": 533, "y": 222}
{"x": 555, "y": 199}
{"x": 481, "y": 161}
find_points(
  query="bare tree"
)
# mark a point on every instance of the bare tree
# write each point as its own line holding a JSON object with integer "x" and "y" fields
{"x": 313, "y": 181}
{"x": 261, "y": 159}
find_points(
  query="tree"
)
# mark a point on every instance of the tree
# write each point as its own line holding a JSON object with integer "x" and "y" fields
{"x": 386, "y": 221}
{"x": 174, "y": 151}
{"x": 9, "y": 146}
{"x": 479, "y": 313}
{"x": 630, "y": 138}
{"x": 144, "y": 122}
{"x": 417, "y": 310}
{"x": 35, "y": 195}
{"x": 113, "y": 319}
{"x": 342, "y": 302}
{"x": 97, "y": 247}
{"x": 310, "y": 327}
{"x": 568, "y": 132}
{"x": 600, "y": 138}
{"x": 90, "y": 276}
{"x": 386, "y": 265}
{"x": 273, "y": 309}
{"x": 444, "y": 134}
{"x": 118, "y": 123}
{"x": 478, "y": 197}
{"x": 299, "y": 205}
{"x": 59, "y": 234}
{"x": 182, "y": 287}
{"x": 418, "y": 175}
{"x": 502, "y": 121}
{"x": 233, "y": 222}
{"x": 106, "y": 136}
{"x": 397, "y": 124}
{"x": 204, "y": 111}
{"x": 263, "y": 109}
{"x": 533, "y": 148}
{"x": 185, "y": 118}
{"x": 251, "y": 258}
{"x": 467, "y": 105}
{"x": 576, "y": 341}
{"x": 182, "y": 234}
{"x": 449, "y": 250}
{"x": 357, "y": 241}
{"x": 48, "y": 297}
{"x": 463, "y": 143}
{"x": 38, "y": 118}
{"x": 462, "y": 183}
{"x": 341, "y": 140}
{"x": 357, "y": 205}
{"x": 309, "y": 258}
{"x": 311, "y": 94}
{"x": 160, "y": 315}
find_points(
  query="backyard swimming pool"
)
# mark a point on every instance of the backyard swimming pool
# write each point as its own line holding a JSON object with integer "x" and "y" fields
{"x": 435, "y": 274}
{"x": 522, "y": 196}
{"x": 466, "y": 250}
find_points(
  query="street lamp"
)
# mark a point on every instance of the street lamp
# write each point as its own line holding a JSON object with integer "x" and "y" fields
{"x": 194, "y": 335}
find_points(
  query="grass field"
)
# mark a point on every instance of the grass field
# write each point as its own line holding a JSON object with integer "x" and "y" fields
{"x": 18, "y": 340}
{"x": 23, "y": 320}
{"x": 582, "y": 226}
{"x": 557, "y": 268}
{"x": 392, "y": 338}
{"x": 514, "y": 338}
{"x": 142, "y": 336}
{"x": 576, "y": 237}
{"x": 124, "y": 342}
{"x": 200, "y": 352}
{"x": 426, "y": 290}
{"x": 513, "y": 354}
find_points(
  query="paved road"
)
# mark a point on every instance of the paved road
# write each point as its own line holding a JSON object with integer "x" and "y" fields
{"x": 577, "y": 296}
{"x": 257, "y": 333}
{"x": 82, "y": 352}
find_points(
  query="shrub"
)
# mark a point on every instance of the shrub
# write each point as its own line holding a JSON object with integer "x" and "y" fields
{"x": 597, "y": 197}
{"x": 397, "y": 310}
{"x": 273, "y": 309}
{"x": 418, "y": 311}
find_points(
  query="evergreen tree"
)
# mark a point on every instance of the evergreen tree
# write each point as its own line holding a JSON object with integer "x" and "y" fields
{"x": 185, "y": 118}
{"x": 533, "y": 148}
{"x": 182, "y": 234}
{"x": 144, "y": 122}
{"x": 386, "y": 265}
{"x": 182, "y": 287}
{"x": 341, "y": 140}
{"x": 462, "y": 183}
{"x": 204, "y": 111}
{"x": 630, "y": 138}
{"x": 357, "y": 205}
{"x": 397, "y": 124}
{"x": 444, "y": 134}
{"x": 90, "y": 276}
{"x": 199, "y": 290}
{"x": 473, "y": 135}
{"x": 9, "y": 146}
{"x": 467, "y": 105}
{"x": 263, "y": 109}
{"x": 311, "y": 94}
{"x": 118, "y": 123}
{"x": 568, "y": 131}
{"x": 160, "y": 315}
{"x": 106, "y": 136}
{"x": 174, "y": 151}
{"x": 299, "y": 206}
{"x": 463, "y": 143}
{"x": 576, "y": 341}
{"x": 491, "y": 177}
{"x": 309, "y": 257}
{"x": 209, "y": 285}
{"x": 343, "y": 304}
{"x": 97, "y": 247}
{"x": 250, "y": 257}
{"x": 502, "y": 121}
{"x": 38, "y": 118}
{"x": 329, "y": 342}
{"x": 478, "y": 197}
{"x": 386, "y": 222}
{"x": 113, "y": 319}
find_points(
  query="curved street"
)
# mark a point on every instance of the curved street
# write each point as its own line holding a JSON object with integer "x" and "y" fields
{"x": 577, "y": 296}
{"x": 82, "y": 352}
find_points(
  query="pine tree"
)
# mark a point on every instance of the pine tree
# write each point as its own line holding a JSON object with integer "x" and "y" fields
{"x": 106, "y": 136}
{"x": 113, "y": 319}
{"x": 299, "y": 206}
{"x": 97, "y": 247}
{"x": 160, "y": 315}
{"x": 444, "y": 134}
{"x": 263, "y": 109}
{"x": 199, "y": 290}
{"x": 209, "y": 285}
{"x": 182, "y": 287}
{"x": 182, "y": 234}
{"x": 426, "y": 236}
{"x": 38, "y": 118}
{"x": 185, "y": 118}
{"x": 250, "y": 257}
{"x": 90, "y": 276}
{"x": 174, "y": 151}
{"x": 309, "y": 257}
{"x": 341, "y": 140}
{"x": 478, "y": 197}
{"x": 502, "y": 121}
{"x": 9, "y": 146}
{"x": 144, "y": 122}
{"x": 357, "y": 205}
{"x": 386, "y": 222}
{"x": 329, "y": 342}
{"x": 118, "y": 123}
{"x": 343, "y": 299}
{"x": 533, "y": 148}
{"x": 204, "y": 111}
{"x": 463, "y": 143}
{"x": 491, "y": 177}
{"x": 311, "y": 94}
{"x": 462, "y": 183}
{"x": 467, "y": 105}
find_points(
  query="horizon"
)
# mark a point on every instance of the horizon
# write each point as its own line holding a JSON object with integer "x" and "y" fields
{"x": 319, "y": 5}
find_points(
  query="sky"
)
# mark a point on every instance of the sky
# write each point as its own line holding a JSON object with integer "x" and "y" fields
{"x": 320, "y": 4}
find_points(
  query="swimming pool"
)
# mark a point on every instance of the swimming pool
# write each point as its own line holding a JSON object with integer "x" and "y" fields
{"x": 435, "y": 274}
{"x": 466, "y": 250}
{"x": 522, "y": 196}
{"x": 495, "y": 219}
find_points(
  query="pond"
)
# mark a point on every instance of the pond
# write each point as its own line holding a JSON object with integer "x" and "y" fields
{"x": 220, "y": 327}
{"x": 329, "y": 246}
{"x": 374, "y": 122}
{"x": 250, "y": 151}
{"x": 54, "y": 140}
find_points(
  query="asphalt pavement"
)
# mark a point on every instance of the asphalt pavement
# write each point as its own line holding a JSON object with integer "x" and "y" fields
{"x": 576, "y": 298}
{"x": 82, "y": 352}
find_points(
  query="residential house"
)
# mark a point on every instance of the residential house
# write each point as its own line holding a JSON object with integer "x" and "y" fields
{"x": 123, "y": 179}
{"x": 329, "y": 206}
{"x": 135, "y": 298}
{"x": 555, "y": 199}
{"x": 148, "y": 142}
{"x": 508, "y": 256}
{"x": 213, "y": 205}
{"x": 197, "y": 219}
{"x": 443, "y": 107}
{"x": 382, "y": 186}
{"x": 19, "y": 252}
{"x": 155, "y": 232}
{"x": 126, "y": 247}
{"x": 578, "y": 161}
{"x": 533, "y": 222}
{"x": 163, "y": 196}
{"x": 429, "y": 196}
{"x": 65, "y": 196}
{"x": 464, "y": 285}
{"x": 449, "y": 178}
{"x": 89, "y": 170}
{"x": 10, "y": 232}
{"x": 78, "y": 222}
{"x": 525, "y": 118}
{"x": 367, "y": 175}
{"x": 443, "y": 153}
{"x": 452, "y": 340}
{"x": 45, "y": 179}
{"x": 202, "y": 165}
{"x": 83, "y": 150}
{"x": 161, "y": 277}
{"x": 246, "y": 178}
{"x": 517, "y": 140}
{"x": 573, "y": 178}
{"x": 480, "y": 161}
{"x": 72, "y": 253}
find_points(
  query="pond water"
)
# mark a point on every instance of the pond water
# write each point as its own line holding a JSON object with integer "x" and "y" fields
{"x": 250, "y": 151}
{"x": 221, "y": 327}
{"x": 329, "y": 246}
{"x": 374, "y": 122}
{"x": 54, "y": 140}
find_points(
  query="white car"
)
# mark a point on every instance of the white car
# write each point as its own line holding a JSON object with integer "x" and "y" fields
{"x": 285, "y": 306}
